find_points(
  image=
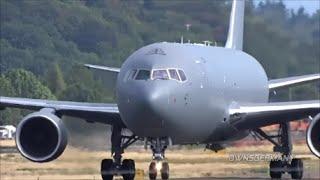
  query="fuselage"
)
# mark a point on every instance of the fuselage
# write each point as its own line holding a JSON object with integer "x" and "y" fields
{"x": 194, "y": 110}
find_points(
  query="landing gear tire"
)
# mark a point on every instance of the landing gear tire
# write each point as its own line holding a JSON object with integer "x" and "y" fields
{"x": 165, "y": 171}
{"x": 276, "y": 169}
{"x": 296, "y": 169}
{"x": 128, "y": 166}
{"x": 152, "y": 171}
{"x": 283, "y": 145}
{"x": 106, "y": 168}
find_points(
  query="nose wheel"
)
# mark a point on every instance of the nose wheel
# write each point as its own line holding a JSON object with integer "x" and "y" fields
{"x": 162, "y": 167}
{"x": 153, "y": 171}
{"x": 165, "y": 170}
{"x": 158, "y": 147}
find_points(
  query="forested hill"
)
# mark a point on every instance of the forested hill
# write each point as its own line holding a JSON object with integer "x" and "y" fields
{"x": 45, "y": 42}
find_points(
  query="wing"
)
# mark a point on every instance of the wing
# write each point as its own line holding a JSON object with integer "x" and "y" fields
{"x": 292, "y": 81}
{"x": 251, "y": 116}
{"x": 104, "y": 68}
{"x": 91, "y": 112}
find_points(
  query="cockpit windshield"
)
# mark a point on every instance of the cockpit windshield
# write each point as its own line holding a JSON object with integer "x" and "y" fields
{"x": 157, "y": 74}
{"x": 160, "y": 75}
{"x": 143, "y": 75}
{"x": 174, "y": 75}
{"x": 182, "y": 75}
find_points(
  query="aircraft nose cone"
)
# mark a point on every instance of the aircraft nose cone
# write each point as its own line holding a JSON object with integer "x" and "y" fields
{"x": 144, "y": 107}
{"x": 151, "y": 102}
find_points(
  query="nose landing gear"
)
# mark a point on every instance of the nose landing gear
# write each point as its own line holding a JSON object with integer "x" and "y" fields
{"x": 153, "y": 171}
{"x": 165, "y": 170}
{"x": 155, "y": 166}
{"x": 158, "y": 147}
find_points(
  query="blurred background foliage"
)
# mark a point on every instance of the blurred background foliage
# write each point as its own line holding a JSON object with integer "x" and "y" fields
{"x": 44, "y": 43}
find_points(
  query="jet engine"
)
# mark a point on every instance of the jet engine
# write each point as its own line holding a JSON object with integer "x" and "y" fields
{"x": 313, "y": 136}
{"x": 41, "y": 136}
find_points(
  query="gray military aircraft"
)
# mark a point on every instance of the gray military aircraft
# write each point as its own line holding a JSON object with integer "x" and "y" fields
{"x": 178, "y": 93}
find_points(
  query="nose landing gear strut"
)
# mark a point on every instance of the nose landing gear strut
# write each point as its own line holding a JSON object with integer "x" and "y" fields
{"x": 159, "y": 163}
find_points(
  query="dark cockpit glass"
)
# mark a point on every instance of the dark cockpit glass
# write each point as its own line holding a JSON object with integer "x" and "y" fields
{"x": 157, "y": 74}
{"x": 173, "y": 74}
{"x": 132, "y": 74}
{"x": 160, "y": 74}
{"x": 182, "y": 75}
{"x": 143, "y": 75}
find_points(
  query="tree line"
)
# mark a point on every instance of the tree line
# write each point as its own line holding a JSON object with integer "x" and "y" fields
{"x": 45, "y": 43}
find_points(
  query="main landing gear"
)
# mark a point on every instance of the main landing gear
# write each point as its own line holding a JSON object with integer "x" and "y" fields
{"x": 111, "y": 167}
{"x": 158, "y": 147}
{"x": 285, "y": 164}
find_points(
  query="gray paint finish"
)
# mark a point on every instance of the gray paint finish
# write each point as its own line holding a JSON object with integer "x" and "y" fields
{"x": 188, "y": 112}
{"x": 225, "y": 94}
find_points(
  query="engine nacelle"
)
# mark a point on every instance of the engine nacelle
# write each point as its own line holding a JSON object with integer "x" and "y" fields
{"x": 313, "y": 136}
{"x": 41, "y": 136}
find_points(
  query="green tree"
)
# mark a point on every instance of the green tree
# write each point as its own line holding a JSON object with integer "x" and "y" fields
{"x": 83, "y": 86}
{"x": 5, "y": 87}
{"x": 80, "y": 92}
{"x": 25, "y": 84}
{"x": 55, "y": 80}
{"x": 20, "y": 83}
{"x": 34, "y": 34}
{"x": 8, "y": 116}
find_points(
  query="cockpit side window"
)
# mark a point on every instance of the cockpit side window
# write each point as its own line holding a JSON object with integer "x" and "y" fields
{"x": 173, "y": 74}
{"x": 143, "y": 75}
{"x": 132, "y": 74}
{"x": 182, "y": 75}
{"x": 160, "y": 74}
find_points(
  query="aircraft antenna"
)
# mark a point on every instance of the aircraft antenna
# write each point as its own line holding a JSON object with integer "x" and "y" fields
{"x": 188, "y": 25}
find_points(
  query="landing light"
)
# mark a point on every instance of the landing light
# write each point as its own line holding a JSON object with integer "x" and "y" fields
{"x": 159, "y": 165}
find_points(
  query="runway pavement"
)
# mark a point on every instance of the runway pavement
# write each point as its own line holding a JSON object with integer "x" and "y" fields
{"x": 231, "y": 178}
{"x": 218, "y": 178}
